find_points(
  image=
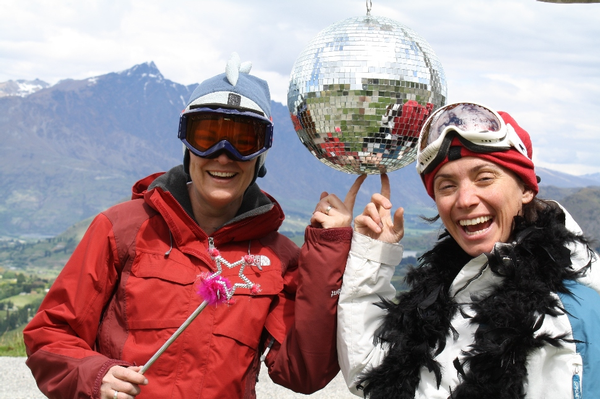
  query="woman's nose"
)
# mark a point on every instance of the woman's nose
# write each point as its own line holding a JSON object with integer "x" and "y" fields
{"x": 223, "y": 158}
{"x": 467, "y": 196}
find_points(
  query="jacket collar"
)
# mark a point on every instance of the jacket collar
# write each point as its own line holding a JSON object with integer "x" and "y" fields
{"x": 475, "y": 278}
{"x": 167, "y": 192}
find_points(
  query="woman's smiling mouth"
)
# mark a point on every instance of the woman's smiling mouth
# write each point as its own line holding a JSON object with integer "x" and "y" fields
{"x": 222, "y": 175}
{"x": 476, "y": 225}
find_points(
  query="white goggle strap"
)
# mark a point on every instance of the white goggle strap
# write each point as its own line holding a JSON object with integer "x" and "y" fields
{"x": 515, "y": 141}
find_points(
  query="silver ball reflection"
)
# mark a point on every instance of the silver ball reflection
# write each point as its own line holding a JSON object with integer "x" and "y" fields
{"x": 360, "y": 92}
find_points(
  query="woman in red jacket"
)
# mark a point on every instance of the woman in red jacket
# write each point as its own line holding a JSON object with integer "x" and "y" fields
{"x": 130, "y": 283}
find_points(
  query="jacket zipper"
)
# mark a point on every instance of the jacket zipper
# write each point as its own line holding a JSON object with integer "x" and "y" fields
{"x": 577, "y": 394}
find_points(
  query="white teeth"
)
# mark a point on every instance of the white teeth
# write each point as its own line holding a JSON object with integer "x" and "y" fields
{"x": 222, "y": 174}
{"x": 472, "y": 233}
{"x": 471, "y": 222}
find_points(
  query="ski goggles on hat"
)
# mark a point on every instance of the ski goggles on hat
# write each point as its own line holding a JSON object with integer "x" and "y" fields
{"x": 243, "y": 135}
{"x": 478, "y": 128}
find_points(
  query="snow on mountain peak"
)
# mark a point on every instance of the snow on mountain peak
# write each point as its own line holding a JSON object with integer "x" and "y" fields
{"x": 21, "y": 87}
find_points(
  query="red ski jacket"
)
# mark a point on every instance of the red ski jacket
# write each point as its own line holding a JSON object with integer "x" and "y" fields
{"x": 130, "y": 284}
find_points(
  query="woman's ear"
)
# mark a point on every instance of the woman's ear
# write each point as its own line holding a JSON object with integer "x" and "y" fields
{"x": 527, "y": 195}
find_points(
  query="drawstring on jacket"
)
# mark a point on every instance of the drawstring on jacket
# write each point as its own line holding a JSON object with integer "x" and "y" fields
{"x": 171, "y": 248}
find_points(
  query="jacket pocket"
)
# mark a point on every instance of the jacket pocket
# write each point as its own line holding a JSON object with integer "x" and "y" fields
{"x": 159, "y": 292}
{"x": 243, "y": 320}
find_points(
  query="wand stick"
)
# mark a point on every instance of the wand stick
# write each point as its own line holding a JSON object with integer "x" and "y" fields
{"x": 173, "y": 337}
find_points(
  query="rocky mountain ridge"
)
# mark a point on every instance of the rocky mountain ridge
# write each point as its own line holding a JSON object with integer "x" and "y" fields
{"x": 72, "y": 149}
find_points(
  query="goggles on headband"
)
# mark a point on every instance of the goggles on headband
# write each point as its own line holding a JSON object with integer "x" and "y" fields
{"x": 244, "y": 135}
{"x": 478, "y": 128}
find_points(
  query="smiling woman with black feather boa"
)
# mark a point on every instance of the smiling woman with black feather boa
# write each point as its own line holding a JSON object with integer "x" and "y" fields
{"x": 505, "y": 305}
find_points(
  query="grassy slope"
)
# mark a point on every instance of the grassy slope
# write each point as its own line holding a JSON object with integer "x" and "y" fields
{"x": 11, "y": 343}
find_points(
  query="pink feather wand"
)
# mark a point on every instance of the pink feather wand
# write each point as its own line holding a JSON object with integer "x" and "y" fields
{"x": 215, "y": 290}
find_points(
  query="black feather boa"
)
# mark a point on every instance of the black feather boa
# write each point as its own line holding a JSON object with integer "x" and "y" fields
{"x": 416, "y": 326}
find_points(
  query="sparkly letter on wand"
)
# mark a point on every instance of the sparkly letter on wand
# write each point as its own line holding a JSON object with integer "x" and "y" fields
{"x": 215, "y": 290}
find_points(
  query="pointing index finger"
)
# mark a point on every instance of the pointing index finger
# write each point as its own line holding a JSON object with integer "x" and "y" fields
{"x": 351, "y": 196}
{"x": 385, "y": 186}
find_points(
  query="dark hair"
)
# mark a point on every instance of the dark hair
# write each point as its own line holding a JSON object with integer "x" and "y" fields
{"x": 430, "y": 220}
{"x": 532, "y": 208}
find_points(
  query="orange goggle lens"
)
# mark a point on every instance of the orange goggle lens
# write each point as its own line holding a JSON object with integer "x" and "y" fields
{"x": 245, "y": 134}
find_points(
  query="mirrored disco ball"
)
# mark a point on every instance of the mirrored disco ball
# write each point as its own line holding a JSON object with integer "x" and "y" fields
{"x": 360, "y": 92}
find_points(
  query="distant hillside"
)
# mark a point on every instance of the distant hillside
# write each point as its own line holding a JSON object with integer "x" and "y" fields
{"x": 557, "y": 193}
{"x": 584, "y": 206}
{"x": 75, "y": 148}
{"x": 595, "y": 177}
{"x": 564, "y": 180}
{"x": 44, "y": 257}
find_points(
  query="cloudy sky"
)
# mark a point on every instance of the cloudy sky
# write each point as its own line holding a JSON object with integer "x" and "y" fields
{"x": 538, "y": 61}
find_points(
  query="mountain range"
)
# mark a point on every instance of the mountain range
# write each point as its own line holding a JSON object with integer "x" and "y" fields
{"x": 72, "y": 149}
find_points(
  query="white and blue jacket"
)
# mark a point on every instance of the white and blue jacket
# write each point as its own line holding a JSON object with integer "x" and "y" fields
{"x": 570, "y": 370}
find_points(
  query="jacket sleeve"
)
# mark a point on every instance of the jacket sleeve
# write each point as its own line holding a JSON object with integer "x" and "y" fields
{"x": 367, "y": 279}
{"x": 60, "y": 339}
{"x": 305, "y": 359}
